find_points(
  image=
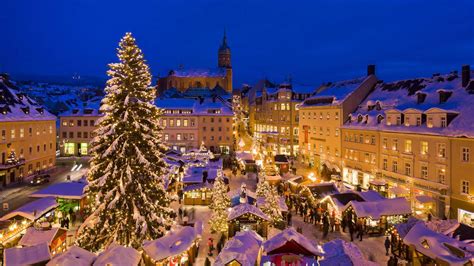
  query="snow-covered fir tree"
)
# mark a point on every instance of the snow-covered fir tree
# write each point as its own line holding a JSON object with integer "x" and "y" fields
{"x": 219, "y": 205}
{"x": 263, "y": 188}
{"x": 129, "y": 203}
{"x": 272, "y": 206}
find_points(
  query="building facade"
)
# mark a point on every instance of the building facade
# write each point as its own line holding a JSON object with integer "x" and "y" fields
{"x": 28, "y": 135}
{"x": 184, "y": 79}
{"x": 76, "y": 131}
{"x": 274, "y": 117}
{"x": 322, "y": 116}
{"x": 420, "y": 137}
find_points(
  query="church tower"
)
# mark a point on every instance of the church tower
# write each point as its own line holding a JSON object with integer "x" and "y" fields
{"x": 223, "y": 56}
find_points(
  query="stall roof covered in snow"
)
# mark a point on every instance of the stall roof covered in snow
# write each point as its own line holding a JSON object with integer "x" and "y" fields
{"x": 370, "y": 195}
{"x": 116, "y": 255}
{"x": 27, "y": 256}
{"x": 204, "y": 185}
{"x": 438, "y": 246}
{"x": 334, "y": 93}
{"x": 340, "y": 252}
{"x": 174, "y": 243}
{"x": 440, "y": 93}
{"x": 34, "y": 236}
{"x": 323, "y": 189}
{"x": 17, "y": 106}
{"x": 65, "y": 190}
{"x": 261, "y": 201}
{"x": 273, "y": 245}
{"x": 377, "y": 209}
{"x": 33, "y": 210}
{"x": 244, "y": 248}
{"x": 245, "y": 208}
{"x": 74, "y": 256}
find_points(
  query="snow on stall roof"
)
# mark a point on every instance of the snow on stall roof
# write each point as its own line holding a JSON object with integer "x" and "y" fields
{"x": 194, "y": 175}
{"x": 261, "y": 201}
{"x": 370, "y": 195}
{"x": 404, "y": 228}
{"x": 216, "y": 72}
{"x": 334, "y": 94}
{"x": 289, "y": 235}
{"x": 17, "y": 106}
{"x": 34, "y": 236}
{"x": 74, "y": 256}
{"x": 197, "y": 186}
{"x": 65, "y": 190}
{"x": 117, "y": 255}
{"x": 438, "y": 246}
{"x": 244, "y": 208}
{"x": 174, "y": 243}
{"x": 244, "y": 248}
{"x": 341, "y": 253}
{"x": 33, "y": 210}
{"x": 402, "y": 96}
{"x": 27, "y": 255}
{"x": 377, "y": 209}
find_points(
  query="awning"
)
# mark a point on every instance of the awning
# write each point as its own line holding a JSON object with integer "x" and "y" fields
{"x": 424, "y": 199}
{"x": 378, "y": 182}
{"x": 398, "y": 190}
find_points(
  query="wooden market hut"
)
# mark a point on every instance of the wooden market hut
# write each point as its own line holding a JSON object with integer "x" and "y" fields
{"x": 243, "y": 249}
{"x": 34, "y": 255}
{"x": 54, "y": 237}
{"x": 177, "y": 247}
{"x": 281, "y": 161}
{"x": 377, "y": 216}
{"x": 290, "y": 248}
{"x": 116, "y": 254}
{"x": 337, "y": 202}
{"x": 198, "y": 194}
{"x": 244, "y": 217}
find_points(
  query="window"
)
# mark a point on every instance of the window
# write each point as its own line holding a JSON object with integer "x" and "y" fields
{"x": 64, "y": 135}
{"x": 79, "y": 134}
{"x": 424, "y": 147}
{"x": 71, "y": 135}
{"x": 79, "y": 123}
{"x": 64, "y": 123}
{"x": 30, "y": 131}
{"x": 164, "y": 122}
{"x": 443, "y": 121}
{"x": 424, "y": 171}
{"x": 328, "y": 131}
{"x": 441, "y": 150}
{"x": 50, "y": 129}
{"x": 86, "y": 123}
{"x": 212, "y": 128}
{"x": 12, "y": 132}
{"x": 212, "y": 119}
{"x": 399, "y": 120}
{"x": 442, "y": 175}
{"x": 394, "y": 166}
{"x": 178, "y": 136}
{"x": 212, "y": 138}
{"x": 191, "y": 136}
{"x": 328, "y": 116}
{"x": 92, "y": 123}
{"x": 465, "y": 154}
{"x": 22, "y": 132}
{"x": 384, "y": 143}
{"x": 372, "y": 140}
{"x": 86, "y": 135}
{"x": 337, "y": 132}
{"x": 361, "y": 138}
{"x": 418, "y": 121}
{"x": 171, "y": 122}
{"x": 408, "y": 146}
{"x": 71, "y": 123}
{"x": 4, "y": 133}
{"x": 185, "y": 122}
{"x": 430, "y": 122}
{"x": 321, "y": 116}
{"x": 395, "y": 144}
{"x": 178, "y": 122}
{"x": 408, "y": 169}
{"x": 336, "y": 116}
{"x": 464, "y": 187}
{"x": 385, "y": 164}
{"x": 167, "y": 136}
{"x": 193, "y": 122}
{"x": 203, "y": 128}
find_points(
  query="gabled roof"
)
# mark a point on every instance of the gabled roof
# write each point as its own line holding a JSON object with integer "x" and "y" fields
{"x": 33, "y": 210}
{"x": 245, "y": 208}
{"x": 118, "y": 255}
{"x": 174, "y": 243}
{"x": 377, "y": 209}
{"x": 274, "y": 245}
{"x": 244, "y": 248}
{"x": 27, "y": 255}
{"x": 34, "y": 236}
{"x": 74, "y": 256}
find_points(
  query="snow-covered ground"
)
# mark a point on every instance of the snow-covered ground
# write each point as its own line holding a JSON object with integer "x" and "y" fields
{"x": 372, "y": 247}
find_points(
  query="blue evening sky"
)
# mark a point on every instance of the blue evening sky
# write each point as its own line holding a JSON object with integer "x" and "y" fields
{"x": 313, "y": 41}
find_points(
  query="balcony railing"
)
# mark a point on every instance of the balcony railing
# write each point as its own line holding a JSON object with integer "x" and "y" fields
{"x": 9, "y": 165}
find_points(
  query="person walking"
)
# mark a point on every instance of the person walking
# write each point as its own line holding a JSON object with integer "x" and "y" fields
{"x": 210, "y": 244}
{"x": 351, "y": 230}
{"x": 344, "y": 223}
{"x": 360, "y": 230}
{"x": 387, "y": 245}
{"x": 289, "y": 218}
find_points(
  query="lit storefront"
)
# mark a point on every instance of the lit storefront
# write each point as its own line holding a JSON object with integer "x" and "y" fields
{"x": 353, "y": 178}
{"x": 69, "y": 148}
{"x": 466, "y": 217}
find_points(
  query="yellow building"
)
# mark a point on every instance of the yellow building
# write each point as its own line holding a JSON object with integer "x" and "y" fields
{"x": 184, "y": 79}
{"x": 322, "y": 116}
{"x": 415, "y": 136}
{"x": 28, "y": 135}
{"x": 274, "y": 116}
{"x": 76, "y": 131}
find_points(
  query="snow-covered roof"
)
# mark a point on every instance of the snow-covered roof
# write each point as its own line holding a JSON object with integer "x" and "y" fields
{"x": 377, "y": 209}
{"x": 175, "y": 242}
{"x": 303, "y": 89}
{"x": 185, "y": 73}
{"x": 17, "y": 106}
{"x": 370, "y": 195}
{"x": 117, "y": 255}
{"x": 27, "y": 255}
{"x": 404, "y": 228}
{"x": 405, "y": 96}
{"x": 244, "y": 155}
{"x": 33, "y": 210}
{"x": 341, "y": 253}
{"x": 74, "y": 256}
{"x": 334, "y": 93}
{"x": 244, "y": 208}
{"x": 197, "y": 186}
{"x": 34, "y": 236}
{"x": 438, "y": 246}
{"x": 65, "y": 190}
{"x": 244, "y": 248}
{"x": 83, "y": 111}
{"x": 197, "y": 105}
{"x": 281, "y": 203}
{"x": 289, "y": 235}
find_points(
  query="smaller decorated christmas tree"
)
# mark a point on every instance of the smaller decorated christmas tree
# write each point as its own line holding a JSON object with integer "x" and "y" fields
{"x": 219, "y": 205}
{"x": 263, "y": 188}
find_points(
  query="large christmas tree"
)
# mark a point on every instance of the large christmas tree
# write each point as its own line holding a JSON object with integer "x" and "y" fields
{"x": 272, "y": 205}
{"x": 128, "y": 201}
{"x": 219, "y": 205}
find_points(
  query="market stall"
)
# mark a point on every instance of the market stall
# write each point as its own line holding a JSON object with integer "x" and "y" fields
{"x": 178, "y": 247}
{"x": 246, "y": 161}
{"x": 379, "y": 185}
{"x": 74, "y": 256}
{"x": 198, "y": 194}
{"x": 116, "y": 254}
{"x": 281, "y": 161}
{"x": 242, "y": 249}
{"x": 377, "y": 216}
{"x": 34, "y": 255}
{"x": 340, "y": 252}
{"x": 54, "y": 237}
{"x": 244, "y": 217}
{"x": 337, "y": 202}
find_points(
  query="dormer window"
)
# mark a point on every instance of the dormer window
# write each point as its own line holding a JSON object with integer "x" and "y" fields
{"x": 443, "y": 121}
{"x": 420, "y": 97}
{"x": 398, "y": 120}
{"x": 407, "y": 121}
{"x": 378, "y": 106}
{"x": 418, "y": 121}
{"x": 359, "y": 118}
{"x": 379, "y": 119}
{"x": 444, "y": 95}
{"x": 429, "y": 123}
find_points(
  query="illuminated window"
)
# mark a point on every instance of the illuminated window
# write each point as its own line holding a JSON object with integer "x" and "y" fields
{"x": 424, "y": 147}
{"x": 408, "y": 148}
{"x": 465, "y": 187}
{"x": 465, "y": 154}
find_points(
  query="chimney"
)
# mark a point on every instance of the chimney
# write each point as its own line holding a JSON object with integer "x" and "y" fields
{"x": 370, "y": 70}
{"x": 466, "y": 75}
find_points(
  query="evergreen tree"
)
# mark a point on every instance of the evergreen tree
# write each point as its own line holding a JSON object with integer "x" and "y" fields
{"x": 263, "y": 188}
{"x": 219, "y": 205}
{"x": 128, "y": 201}
{"x": 272, "y": 205}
